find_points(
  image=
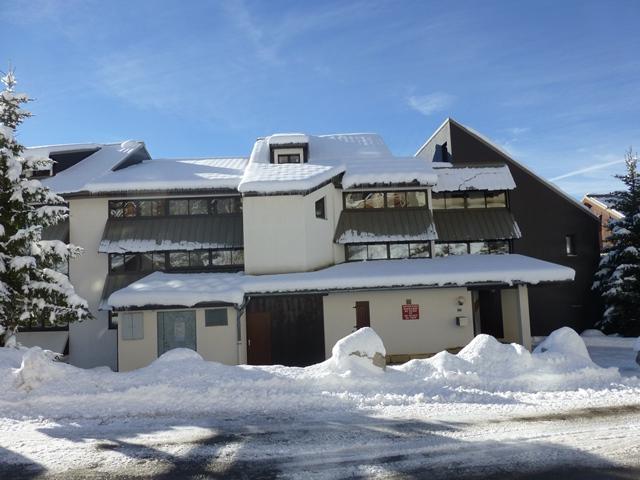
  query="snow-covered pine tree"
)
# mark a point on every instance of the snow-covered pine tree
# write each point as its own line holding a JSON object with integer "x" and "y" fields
{"x": 31, "y": 290}
{"x": 618, "y": 277}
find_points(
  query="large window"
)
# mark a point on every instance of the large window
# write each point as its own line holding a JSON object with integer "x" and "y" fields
{"x": 176, "y": 260}
{"x": 444, "y": 249}
{"x": 383, "y": 251}
{"x": 174, "y": 206}
{"x": 470, "y": 199}
{"x": 399, "y": 199}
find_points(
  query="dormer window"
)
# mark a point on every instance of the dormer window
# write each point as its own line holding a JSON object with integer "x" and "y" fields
{"x": 289, "y": 148}
{"x": 288, "y": 158}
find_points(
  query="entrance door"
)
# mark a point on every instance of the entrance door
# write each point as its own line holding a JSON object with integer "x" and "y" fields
{"x": 491, "y": 312}
{"x": 258, "y": 338}
{"x": 176, "y": 330}
{"x": 362, "y": 315}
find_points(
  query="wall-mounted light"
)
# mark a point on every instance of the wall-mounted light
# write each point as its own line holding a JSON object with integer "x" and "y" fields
{"x": 461, "y": 300}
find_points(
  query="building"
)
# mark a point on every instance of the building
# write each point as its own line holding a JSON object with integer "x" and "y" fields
{"x": 274, "y": 257}
{"x": 555, "y": 227}
{"x": 602, "y": 206}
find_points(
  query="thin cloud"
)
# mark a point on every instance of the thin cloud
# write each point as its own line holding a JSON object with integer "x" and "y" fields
{"x": 591, "y": 168}
{"x": 432, "y": 103}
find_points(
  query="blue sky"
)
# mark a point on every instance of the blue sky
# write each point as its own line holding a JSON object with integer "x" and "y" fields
{"x": 557, "y": 83}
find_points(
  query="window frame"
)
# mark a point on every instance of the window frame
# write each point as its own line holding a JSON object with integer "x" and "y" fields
{"x": 570, "y": 246}
{"x": 207, "y": 322}
{"x": 385, "y": 202}
{"x": 234, "y": 255}
{"x": 134, "y": 331}
{"x": 163, "y": 206}
{"x": 445, "y": 196}
{"x": 321, "y": 212}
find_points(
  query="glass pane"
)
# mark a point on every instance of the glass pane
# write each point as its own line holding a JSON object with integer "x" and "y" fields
{"x": 396, "y": 199}
{"x": 441, "y": 250}
{"x": 159, "y": 260}
{"x": 374, "y": 200}
{"x": 499, "y": 247}
{"x": 496, "y": 199}
{"x": 420, "y": 250}
{"x": 151, "y": 208}
{"x": 356, "y": 252}
{"x": 130, "y": 209}
{"x": 437, "y": 201}
{"x": 115, "y": 209}
{"x": 117, "y": 263}
{"x": 226, "y": 205}
{"x": 131, "y": 263}
{"x": 179, "y": 259}
{"x": 178, "y": 207}
{"x": 320, "y": 208}
{"x": 478, "y": 248}
{"x": 458, "y": 249}
{"x": 237, "y": 257}
{"x": 398, "y": 250}
{"x": 146, "y": 262}
{"x": 199, "y": 258}
{"x": 455, "y": 200}
{"x": 354, "y": 200}
{"x": 475, "y": 200}
{"x": 216, "y": 317}
{"x": 416, "y": 199}
{"x": 376, "y": 251}
{"x": 198, "y": 206}
{"x": 221, "y": 257}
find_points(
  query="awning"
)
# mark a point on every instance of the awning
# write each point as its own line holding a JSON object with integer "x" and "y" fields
{"x": 171, "y": 233}
{"x": 476, "y": 224}
{"x": 59, "y": 231}
{"x": 116, "y": 282}
{"x": 388, "y": 225}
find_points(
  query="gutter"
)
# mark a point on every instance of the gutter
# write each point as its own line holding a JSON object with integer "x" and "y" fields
{"x": 240, "y": 309}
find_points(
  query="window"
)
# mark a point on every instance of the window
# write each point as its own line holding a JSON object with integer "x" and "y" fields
{"x": 401, "y": 199}
{"x": 396, "y": 199}
{"x": 320, "y": 209}
{"x": 437, "y": 201}
{"x": 157, "y": 261}
{"x": 174, "y": 206}
{"x": 223, "y": 206}
{"x": 380, "y": 251}
{"x": 356, "y": 252}
{"x": 198, "y": 206}
{"x": 570, "y": 244}
{"x": 215, "y": 317}
{"x": 443, "y": 249}
{"x": 470, "y": 199}
{"x": 398, "y": 250}
{"x": 221, "y": 257}
{"x": 178, "y": 259}
{"x": 131, "y": 325}
{"x": 496, "y": 199}
{"x": 416, "y": 199}
{"x": 458, "y": 248}
{"x": 178, "y": 207}
{"x": 376, "y": 251}
{"x": 354, "y": 200}
{"x": 455, "y": 200}
{"x": 121, "y": 263}
{"x": 475, "y": 200}
{"x": 237, "y": 257}
{"x": 288, "y": 158}
{"x": 151, "y": 208}
{"x": 420, "y": 250}
{"x": 199, "y": 259}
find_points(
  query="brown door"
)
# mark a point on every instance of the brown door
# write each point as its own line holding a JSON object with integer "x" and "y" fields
{"x": 259, "y": 338}
{"x": 362, "y": 315}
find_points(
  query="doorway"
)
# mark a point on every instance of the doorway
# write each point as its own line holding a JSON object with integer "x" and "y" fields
{"x": 363, "y": 319}
{"x": 487, "y": 312}
{"x": 258, "y": 338}
{"x": 176, "y": 329}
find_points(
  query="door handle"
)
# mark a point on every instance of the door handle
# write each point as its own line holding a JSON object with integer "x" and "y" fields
{"x": 248, "y": 342}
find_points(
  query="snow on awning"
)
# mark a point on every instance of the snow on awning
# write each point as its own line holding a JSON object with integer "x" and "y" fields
{"x": 191, "y": 289}
{"x": 384, "y": 225}
{"x": 474, "y": 178}
{"x": 288, "y": 177}
{"x": 171, "y": 233}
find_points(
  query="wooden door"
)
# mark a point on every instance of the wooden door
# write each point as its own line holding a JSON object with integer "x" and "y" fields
{"x": 259, "y": 338}
{"x": 362, "y": 315}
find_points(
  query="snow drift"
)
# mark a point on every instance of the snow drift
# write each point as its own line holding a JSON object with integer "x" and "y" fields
{"x": 486, "y": 371}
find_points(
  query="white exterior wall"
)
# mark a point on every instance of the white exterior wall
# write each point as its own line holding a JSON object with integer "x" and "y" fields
{"x": 217, "y": 344}
{"x": 434, "y": 331}
{"x": 283, "y": 235}
{"x": 91, "y": 343}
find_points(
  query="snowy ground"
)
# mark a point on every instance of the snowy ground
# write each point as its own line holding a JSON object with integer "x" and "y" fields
{"x": 491, "y": 411}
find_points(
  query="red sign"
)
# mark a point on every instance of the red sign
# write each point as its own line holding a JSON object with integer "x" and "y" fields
{"x": 411, "y": 312}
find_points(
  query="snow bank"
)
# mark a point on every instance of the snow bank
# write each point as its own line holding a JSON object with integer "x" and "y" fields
{"x": 180, "y": 382}
{"x": 564, "y": 341}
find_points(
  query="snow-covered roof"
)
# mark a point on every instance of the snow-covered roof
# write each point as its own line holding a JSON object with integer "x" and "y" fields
{"x": 474, "y": 178}
{"x": 287, "y": 177}
{"x": 364, "y": 157}
{"x": 190, "y": 289}
{"x": 606, "y": 201}
{"x": 173, "y": 174}
{"x": 78, "y": 177}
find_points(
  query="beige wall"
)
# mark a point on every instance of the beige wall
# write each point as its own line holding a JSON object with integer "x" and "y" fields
{"x": 434, "y": 331}
{"x": 216, "y": 344}
{"x": 91, "y": 343}
{"x": 283, "y": 235}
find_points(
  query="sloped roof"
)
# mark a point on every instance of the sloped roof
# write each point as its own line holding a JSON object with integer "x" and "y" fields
{"x": 288, "y": 177}
{"x": 385, "y": 225}
{"x": 476, "y": 224}
{"x": 171, "y": 233}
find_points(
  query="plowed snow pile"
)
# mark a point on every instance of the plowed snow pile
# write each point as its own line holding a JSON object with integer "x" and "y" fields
{"x": 181, "y": 382}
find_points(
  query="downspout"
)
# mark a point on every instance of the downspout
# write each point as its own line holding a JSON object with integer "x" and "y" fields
{"x": 239, "y": 312}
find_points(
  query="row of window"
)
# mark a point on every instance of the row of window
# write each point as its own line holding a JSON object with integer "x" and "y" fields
{"x": 132, "y": 323}
{"x": 471, "y": 199}
{"x": 175, "y": 206}
{"x": 383, "y": 251}
{"x": 160, "y": 261}
{"x": 385, "y": 199}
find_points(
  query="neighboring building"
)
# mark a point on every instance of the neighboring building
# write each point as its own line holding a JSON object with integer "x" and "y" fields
{"x": 555, "y": 227}
{"x": 273, "y": 258}
{"x": 602, "y": 206}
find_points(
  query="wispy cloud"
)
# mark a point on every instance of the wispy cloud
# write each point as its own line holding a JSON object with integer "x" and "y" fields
{"x": 432, "y": 103}
{"x": 582, "y": 171}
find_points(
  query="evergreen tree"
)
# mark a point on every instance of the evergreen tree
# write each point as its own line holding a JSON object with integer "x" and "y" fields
{"x": 31, "y": 290}
{"x": 618, "y": 277}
